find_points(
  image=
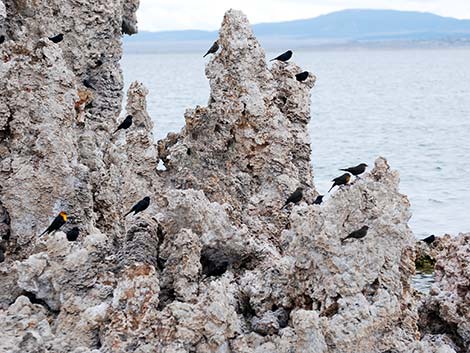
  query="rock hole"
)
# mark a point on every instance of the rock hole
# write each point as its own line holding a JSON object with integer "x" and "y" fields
{"x": 230, "y": 142}
{"x": 430, "y": 322}
{"x": 167, "y": 296}
{"x": 244, "y": 307}
{"x": 160, "y": 236}
{"x": 213, "y": 265}
{"x": 282, "y": 315}
{"x": 35, "y": 300}
{"x": 4, "y": 224}
{"x": 97, "y": 344}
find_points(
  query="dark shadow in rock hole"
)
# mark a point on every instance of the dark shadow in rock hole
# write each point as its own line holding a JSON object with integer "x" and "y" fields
{"x": 35, "y": 300}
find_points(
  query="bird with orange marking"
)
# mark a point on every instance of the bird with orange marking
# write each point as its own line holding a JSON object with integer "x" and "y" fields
{"x": 58, "y": 222}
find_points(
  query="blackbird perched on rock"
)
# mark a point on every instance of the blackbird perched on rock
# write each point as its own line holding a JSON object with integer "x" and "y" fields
{"x": 318, "y": 200}
{"x": 58, "y": 222}
{"x": 429, "y": 240}
{"x": 295, "y": 197}
{"x": 284, "y": 56}
{"x": 57, "y": 39}
{"x": 2, "y": 39}
{"x": 302, "y": 76}
{"x": 72, "y": 234}
{"x": 357, "y": 234}
{"x": 358, "y": 169}
{"x": 140, "y": 206}
{"x": 341, "y": 180}
{"x": 87, "y": 84}
{"x": 213, "y": 49}
{"x": 126, "y": 123}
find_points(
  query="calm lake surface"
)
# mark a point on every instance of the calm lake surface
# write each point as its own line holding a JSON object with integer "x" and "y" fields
{"x": 410, "y": 106}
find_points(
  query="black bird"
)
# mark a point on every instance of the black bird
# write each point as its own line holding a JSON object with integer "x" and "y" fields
{"x": 87, "y": 84}
{"x": 341, "y": 180}
{"x": 359, "y": 169}
{"x": 357, "y": 234}
{"x": 58, "y": 222}
{"x": 72, "y": 234}
{"x": 140, "y": 206}
{"x": 302, "y": 76}
{"x": 212, "y": 49}
{"x": 295, "y": 197}
{"x": 126, "y": 123}
{"x": 284, "y": 56}
{"x": 318, "y": 200}
{"x": 2, "y": 39}
{"x": 430, "y": 239}
{"x": 57, "y": 39}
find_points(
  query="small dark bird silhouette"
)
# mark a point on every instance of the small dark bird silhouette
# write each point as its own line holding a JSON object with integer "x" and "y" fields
{"x": 284, "y": 56}
{"x": 429, "y": 240}
{"x": 341, "y": 180}
{"x": 318, "y": 200}
{"x": 295, "y": 197}
{"x": 2, "y": 256}
{"x": 58, "y": 222}
{"x": 126, "y": 123}
{"x": 57, "y": 39}
{"x": 2, "y": 39}
{"x": 213, "y": 49}
{"x": 359, "y": 169}
{"x": 302, "y": 76}
{"x": 87, "y": 84}
{"x": 72, "y": 234}
{"x": 140, "y": 206}
{"x": 357, "y": 234}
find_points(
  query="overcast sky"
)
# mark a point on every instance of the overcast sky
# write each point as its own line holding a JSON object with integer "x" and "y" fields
{"x": 158, "y": 15}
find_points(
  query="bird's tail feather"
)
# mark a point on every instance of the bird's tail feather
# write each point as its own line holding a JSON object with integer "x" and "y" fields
{"x": 205, "y": 54}
{"x": 127, "y": 213}
{"x": 332, "y": 187}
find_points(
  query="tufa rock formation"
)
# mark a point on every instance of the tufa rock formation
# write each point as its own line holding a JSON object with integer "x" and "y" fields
{"x": 214, "y": 264}
{"x": 446, "y": 311}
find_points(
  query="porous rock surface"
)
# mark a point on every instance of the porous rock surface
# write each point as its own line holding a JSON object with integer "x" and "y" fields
{"x": 214, "y": 264}
{"x": 446, "y": 311}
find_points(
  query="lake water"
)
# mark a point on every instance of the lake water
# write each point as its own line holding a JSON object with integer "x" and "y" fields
{"x": 410, "y": 106}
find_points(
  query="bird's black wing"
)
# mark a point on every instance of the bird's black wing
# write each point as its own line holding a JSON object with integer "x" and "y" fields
{"x": 56, "y": 224}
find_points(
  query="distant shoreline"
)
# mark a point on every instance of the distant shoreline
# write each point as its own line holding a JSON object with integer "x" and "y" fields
{"x": 196, "y": 46}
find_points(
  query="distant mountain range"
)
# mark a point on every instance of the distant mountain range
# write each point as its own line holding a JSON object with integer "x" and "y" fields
{"x": 347, "y": 25}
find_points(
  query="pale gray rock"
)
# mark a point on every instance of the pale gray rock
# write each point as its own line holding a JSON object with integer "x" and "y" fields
{"x": 214, "y": 264}
{"x": 446, "y": 309}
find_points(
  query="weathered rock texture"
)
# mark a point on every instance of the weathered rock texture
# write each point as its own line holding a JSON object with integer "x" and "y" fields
{"x": 447, "y": 310}
{"x": 56, "y": 132}
{"x": 214, "y": 264}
